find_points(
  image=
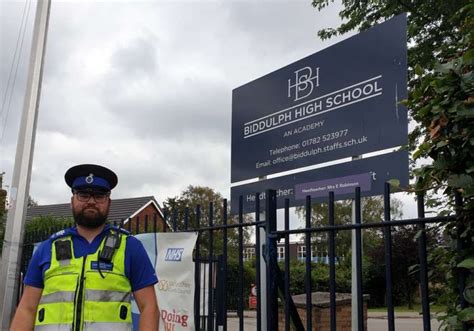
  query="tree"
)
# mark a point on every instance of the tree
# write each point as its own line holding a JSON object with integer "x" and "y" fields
{"x": 47, "y": 224}
{"x": 31, "y": 202}
{"x": 38, "y": 229}
{"x": 440, "y": 100}
{"x": 3, "y": 220}
{"x": 373, "y": 246}
{"x": 177, "y": 208}
{"x": 3, "y": 199}
{"x": 405, "y": 266}
{"x": 372, "y": 211}
{"x": 431, "y": 28}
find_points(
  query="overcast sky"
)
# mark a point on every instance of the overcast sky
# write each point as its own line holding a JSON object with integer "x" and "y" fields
{"x": 145, "y": 87}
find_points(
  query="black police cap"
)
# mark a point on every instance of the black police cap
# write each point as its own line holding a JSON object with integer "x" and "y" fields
{"x": 91, "y": 176}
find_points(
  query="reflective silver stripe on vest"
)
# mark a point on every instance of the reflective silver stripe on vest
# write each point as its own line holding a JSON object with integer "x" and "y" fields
{"x": 64, "y": 263}
{"x": 63, "y": 296}
{"x": 53, "y": 327}
{"x": 98, "y": 326}
{"x": 107, "y": 296}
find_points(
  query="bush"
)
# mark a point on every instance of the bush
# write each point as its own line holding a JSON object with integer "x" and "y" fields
{"x": 249, "y": 278}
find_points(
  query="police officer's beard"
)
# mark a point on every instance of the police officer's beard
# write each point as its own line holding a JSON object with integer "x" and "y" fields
{"x": 87, "y": 221}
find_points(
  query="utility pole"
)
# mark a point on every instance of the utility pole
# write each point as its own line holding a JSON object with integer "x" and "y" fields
{"x": 12, "y": 248}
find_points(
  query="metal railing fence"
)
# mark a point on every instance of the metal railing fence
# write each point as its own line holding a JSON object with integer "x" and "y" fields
{"x": 216, "y": 247}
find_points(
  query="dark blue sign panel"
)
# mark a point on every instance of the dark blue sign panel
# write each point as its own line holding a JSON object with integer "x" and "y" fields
{"x": 340, "y": 102}
{"x": 369, "y": 174}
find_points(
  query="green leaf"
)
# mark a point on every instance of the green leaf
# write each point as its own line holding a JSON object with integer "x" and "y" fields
{"x": 441, "y": 143}
{"x": 440, "y": 163}
{"x": 467, "y": 263}
{"x": 417, "y": 235}
{"x": 413, "y": 269}
{"x": 469, "y": 191}
{"x": 418, "y": 70}
{"x": 466, "y": 113}
{"x": 394, "y": 182}
{"x": 452, "y": 320}
{"x": 466, "y": 314}
{"x": 469, "y": 294}
{"x": 468, "y": 57}
{"x": 404, "y": 102}
{"x": 444, "y": 67}
{"x": 460, "y": 180}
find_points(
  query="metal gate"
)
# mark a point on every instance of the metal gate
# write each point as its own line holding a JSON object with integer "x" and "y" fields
{"x": 277, "y": 283}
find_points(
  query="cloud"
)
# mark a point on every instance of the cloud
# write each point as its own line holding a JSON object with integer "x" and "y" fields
{"x": 146, "y": 87}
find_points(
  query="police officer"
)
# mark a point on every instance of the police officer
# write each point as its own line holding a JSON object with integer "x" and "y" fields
{"x": 81, "y": 278}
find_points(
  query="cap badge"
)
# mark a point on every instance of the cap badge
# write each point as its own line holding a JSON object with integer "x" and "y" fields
{"x": 90, "y": 179}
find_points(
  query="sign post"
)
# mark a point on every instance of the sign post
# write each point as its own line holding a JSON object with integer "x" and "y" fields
{"x": 329, "y": 106}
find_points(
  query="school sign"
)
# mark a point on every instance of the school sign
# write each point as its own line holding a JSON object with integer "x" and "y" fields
{"x": 340, "y": 102}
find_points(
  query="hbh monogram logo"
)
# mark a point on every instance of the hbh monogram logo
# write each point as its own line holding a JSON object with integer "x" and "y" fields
{"x": 304, "y": 84}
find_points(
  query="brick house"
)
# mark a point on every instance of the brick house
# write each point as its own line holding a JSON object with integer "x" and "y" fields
{"x": 297, "y": 252}
{"x": 136, "y": 213}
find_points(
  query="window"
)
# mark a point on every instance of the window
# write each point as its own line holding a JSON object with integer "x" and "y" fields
{"x": 281, "y": 253}
{"x": 314, "y": 254}
{"x": 301, "y": 252}
{"x": 248, "y": 253}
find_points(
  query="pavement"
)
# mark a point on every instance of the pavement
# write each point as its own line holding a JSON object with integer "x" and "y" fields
{"x": 397, "y": 315}
{"x": 376, "y": 321}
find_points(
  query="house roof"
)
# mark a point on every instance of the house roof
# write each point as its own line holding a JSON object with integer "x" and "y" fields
{"x": 120, "y": 209}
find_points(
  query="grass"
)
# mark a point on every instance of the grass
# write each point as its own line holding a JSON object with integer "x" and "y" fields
{"x": 403, "y": 309}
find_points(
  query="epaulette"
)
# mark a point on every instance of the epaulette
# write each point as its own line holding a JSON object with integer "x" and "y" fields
{"x": 60, "y": 234}
{"x": 121, "y": 230}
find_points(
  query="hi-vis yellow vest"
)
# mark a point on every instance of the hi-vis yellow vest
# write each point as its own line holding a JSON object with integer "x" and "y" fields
{"x": 76, "y": 297}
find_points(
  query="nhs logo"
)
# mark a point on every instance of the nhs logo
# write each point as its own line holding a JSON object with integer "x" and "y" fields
{"x": 174, "y": 254}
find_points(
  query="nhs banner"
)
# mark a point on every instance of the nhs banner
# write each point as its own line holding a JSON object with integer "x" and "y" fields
{"x": 172, "y": 257}
{"x": 175, "y": 271}
{"x": 339, "y": 102}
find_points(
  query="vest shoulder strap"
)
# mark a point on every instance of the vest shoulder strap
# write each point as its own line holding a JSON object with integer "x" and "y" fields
{"x": 59, "y": 234}
{"x": 111, "y": 243}
{"x": 120, "y": 230}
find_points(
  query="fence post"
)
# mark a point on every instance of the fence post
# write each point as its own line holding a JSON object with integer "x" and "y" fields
{"x": 462, "y": 273}
{"x": 186, "y": 218}
{"x": 175, "y": 220}
{"x": 197, "y": 274}
{"x": 308, "y": 282}
{"x": 220, "y": 291}
{"x": 137, "y": 225}
{"x": 165, "y": 220}
{"x": 210, "y": 325}
{"x": 224, "y": 270}
{"x": 258, "y": 263}
{"x": 287, "y": 265}
{"x": 423, "y": 265}
{"x": 388, "y": 258}
{"x": 358, "y": 258}
{"x": 271, "y": 257}
{"x": 332, "y": 262}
